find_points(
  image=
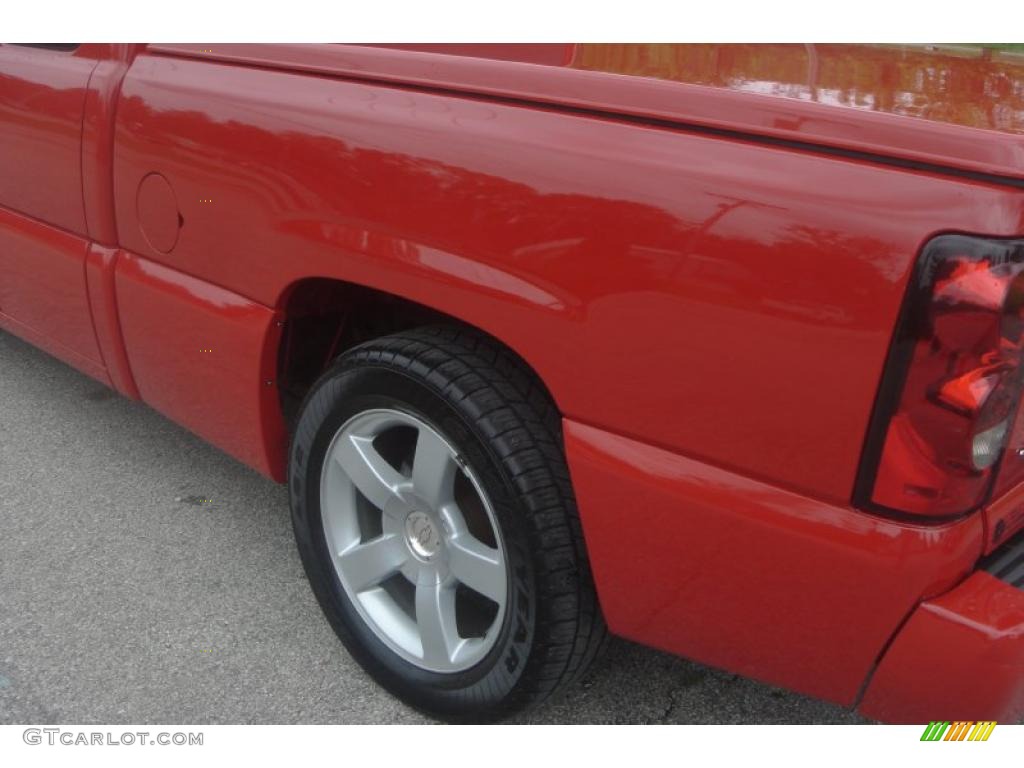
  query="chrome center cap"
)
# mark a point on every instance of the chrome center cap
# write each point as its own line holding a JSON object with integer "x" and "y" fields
{"x": 422, "y": 534}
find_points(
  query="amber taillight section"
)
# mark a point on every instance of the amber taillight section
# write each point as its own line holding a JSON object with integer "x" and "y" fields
{"x": 952, "y": 382}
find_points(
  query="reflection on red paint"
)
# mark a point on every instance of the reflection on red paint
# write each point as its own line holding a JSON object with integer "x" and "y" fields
{"x": 964, "y": 85}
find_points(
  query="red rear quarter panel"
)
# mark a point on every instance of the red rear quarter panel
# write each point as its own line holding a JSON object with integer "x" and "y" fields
{"x": 719, "y": 298}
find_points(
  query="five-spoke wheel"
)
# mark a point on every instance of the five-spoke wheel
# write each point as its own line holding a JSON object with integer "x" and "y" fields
{"x": 415, "y": 541}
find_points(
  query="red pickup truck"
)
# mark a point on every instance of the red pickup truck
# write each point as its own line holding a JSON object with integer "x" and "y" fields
{"x": 715, "y": 347}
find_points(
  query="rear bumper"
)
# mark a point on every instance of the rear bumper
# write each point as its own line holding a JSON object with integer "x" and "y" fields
{"x": 960, "y": 656}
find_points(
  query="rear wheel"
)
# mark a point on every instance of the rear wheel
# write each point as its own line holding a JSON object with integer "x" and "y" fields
{"x": 436, "y": 522}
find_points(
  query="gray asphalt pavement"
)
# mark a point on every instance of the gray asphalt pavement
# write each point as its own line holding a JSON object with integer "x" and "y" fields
{"x": 126, "y": 598}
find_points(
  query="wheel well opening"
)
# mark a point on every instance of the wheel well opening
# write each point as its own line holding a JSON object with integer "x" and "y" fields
{"x": 324, "y": 318}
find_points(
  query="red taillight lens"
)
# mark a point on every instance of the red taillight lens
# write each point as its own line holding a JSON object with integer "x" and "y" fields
{"x": 952, "y": 383}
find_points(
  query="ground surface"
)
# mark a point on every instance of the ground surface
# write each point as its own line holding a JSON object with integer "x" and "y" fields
{"x": 125, "y": 597}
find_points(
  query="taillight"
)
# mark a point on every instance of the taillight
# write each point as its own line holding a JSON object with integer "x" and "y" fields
{"x": 952, "y": 382}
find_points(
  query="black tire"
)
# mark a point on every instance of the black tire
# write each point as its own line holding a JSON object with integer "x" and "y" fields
{"x": 501, "y": 420}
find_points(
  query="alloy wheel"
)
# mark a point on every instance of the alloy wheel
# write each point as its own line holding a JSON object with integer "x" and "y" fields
{"x": 414, "y": 540}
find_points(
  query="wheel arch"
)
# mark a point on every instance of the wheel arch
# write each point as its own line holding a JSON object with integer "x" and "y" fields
{"x": 322, "y": 317}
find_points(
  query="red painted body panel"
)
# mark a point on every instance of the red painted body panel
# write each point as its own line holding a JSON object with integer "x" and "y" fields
{"x": 43, "y": 290}
{"x": 768, "y": 583}
{"x": 98, "y": 141}
{"x": 41, "y": 98}
{"x": 959, "y": 657}
{"x": 628, "y": 258}
{"x": 100, "y": 268}
{"x": 42, "y": 216}
{"x": 204, "y": 356}
{"x": 939, "y": 107}
{"x": 711, "y": 312}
